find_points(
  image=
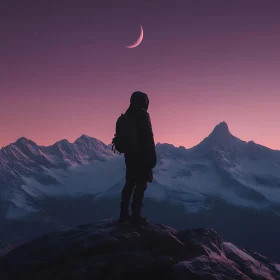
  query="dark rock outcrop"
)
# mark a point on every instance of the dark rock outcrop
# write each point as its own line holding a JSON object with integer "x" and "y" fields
{"x": 108, "y": 250}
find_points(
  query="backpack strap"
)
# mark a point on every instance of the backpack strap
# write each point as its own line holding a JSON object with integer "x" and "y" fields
{"x": 114, "y": 145}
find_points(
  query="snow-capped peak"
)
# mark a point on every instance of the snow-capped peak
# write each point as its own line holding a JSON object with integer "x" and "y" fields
{"x": 63, "y": 141}
{"x": 89, "y": 141}
{"x": 84, "y": 138}
{"x": 24, "y": 141}
{"x": 221, "y": 136}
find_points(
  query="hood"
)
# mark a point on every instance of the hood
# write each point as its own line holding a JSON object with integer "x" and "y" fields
{"x": 140, "y": 100}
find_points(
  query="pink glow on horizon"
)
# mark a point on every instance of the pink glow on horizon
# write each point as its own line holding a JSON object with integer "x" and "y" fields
{"x": 186, "y": 125}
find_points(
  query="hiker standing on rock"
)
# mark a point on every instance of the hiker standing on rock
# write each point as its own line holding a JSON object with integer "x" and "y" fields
{"x": 134, "y": 137}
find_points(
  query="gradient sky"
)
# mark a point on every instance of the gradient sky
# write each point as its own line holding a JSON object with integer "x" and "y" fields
{"x": 64, "y": 70}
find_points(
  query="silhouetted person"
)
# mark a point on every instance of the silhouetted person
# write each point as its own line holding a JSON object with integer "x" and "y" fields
{"x": 139, "y": 163}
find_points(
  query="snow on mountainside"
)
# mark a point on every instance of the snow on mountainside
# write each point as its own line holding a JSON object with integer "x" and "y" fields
{"x": 28, "y": 170}
{"x": 62, "y": 185}
{"x": 221, "y": 166}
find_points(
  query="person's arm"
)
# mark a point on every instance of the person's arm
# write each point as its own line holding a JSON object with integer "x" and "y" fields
{"x": 150, "y": 142}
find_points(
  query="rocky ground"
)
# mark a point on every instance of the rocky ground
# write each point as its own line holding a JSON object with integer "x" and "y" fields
{"x": 108, "y": 250}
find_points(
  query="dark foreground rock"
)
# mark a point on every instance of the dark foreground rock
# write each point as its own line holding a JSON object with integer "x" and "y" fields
{"x": 107, "y": 250}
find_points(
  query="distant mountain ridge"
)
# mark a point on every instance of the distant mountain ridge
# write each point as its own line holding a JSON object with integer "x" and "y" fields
{"x": 224, "y": 152}
{"x": 81, "y": 150}
{"x": 85, "y": 148}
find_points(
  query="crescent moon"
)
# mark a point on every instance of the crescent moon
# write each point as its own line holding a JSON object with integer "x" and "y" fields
{"x": 139, "y": 40}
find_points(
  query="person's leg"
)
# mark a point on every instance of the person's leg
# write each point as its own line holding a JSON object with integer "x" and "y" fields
{"x": 125, "y": 198}
{"x": 127, "y": 191}
{"x": 139, "y": 191}
{"x": 138, "y": 196}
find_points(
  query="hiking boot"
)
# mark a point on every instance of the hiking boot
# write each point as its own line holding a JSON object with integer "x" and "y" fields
{"x": 124, "y": 214}
{"x": 140, "y": 220}
{"x": 136, "y": 217}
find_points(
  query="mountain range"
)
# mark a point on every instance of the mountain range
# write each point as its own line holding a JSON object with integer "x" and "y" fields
{"x": 224, "y": 183}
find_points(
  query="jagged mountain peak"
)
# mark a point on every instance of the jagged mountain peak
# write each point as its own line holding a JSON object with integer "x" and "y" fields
{"x": 169, "y": 149}
{"x": 25, "y": 141}
{"x": 84, "y": 138}
{"x": 165, "y": 145}
{"x": 22, "y": 139}
{"x": 220, "y": 135}
{"x": 63, "y": 142}
{"x": 221, "y": 129}
{"x": 90, "y": 142}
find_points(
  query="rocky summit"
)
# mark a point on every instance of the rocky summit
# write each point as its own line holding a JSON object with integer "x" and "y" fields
{"x": 109, "y": 250}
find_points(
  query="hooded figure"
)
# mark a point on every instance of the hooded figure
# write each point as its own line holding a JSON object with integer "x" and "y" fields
{"x": 140, "y": 163}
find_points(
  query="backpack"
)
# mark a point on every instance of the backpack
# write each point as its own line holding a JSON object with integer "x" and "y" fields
{"x": 126, "y": 137}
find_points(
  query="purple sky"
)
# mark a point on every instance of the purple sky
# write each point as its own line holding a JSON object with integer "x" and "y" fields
{"x": 64, "y": 70}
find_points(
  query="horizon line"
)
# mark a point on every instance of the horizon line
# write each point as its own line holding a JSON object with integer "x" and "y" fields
{"x": 161, "y": 143}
